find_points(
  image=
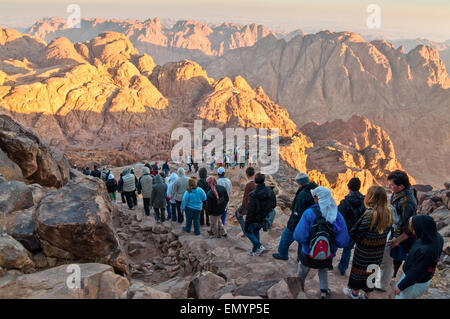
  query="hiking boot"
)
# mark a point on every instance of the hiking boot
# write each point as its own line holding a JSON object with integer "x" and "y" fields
{"x": 277, "y": 256}
{"x": 325, "y": 294}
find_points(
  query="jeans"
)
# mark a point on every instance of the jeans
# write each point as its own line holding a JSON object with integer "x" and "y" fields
{"x": 112, "y": 195}
{"x": 192, "y": 216}
{"x": 240, "y": 219}
{"x": 223, "y": 218}
{"x": 190, "y": 168}
{"x": 173, "y": 209}
{"x": 166, "y": 172}
{"x": 253, "y": 235}
{"x": 287, "y": 238}
{"x": 345, "y": 259}
{"x": 146, "y": 206}
{"x": 160, "y": 214}
{"x": 414, "y": 291}
{"x": 169, "y": 210}
{"x": 323, "y": 275}
{"x": 179, "y": 212}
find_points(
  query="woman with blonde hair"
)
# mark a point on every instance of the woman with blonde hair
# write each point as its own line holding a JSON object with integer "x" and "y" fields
{"x": 370, "y": 235}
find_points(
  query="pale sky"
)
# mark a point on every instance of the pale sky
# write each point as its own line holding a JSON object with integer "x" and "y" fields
{"x": 399, "y": 18}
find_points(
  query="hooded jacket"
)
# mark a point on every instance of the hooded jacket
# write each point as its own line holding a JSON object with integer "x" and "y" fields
{"x": 405, "y": 205}
{"x": 352, "y": 208}
{"x": 170, "y": 180}
{"x": 202, "y": 174}
{"x": 303, "y": 199}
{"x": 424, "y": 254}
{"x": 179, "y": 186}
{"x": 145, "y": 183}
{"x": 261, "y": 201}
{"x": 303, "y": 230}
{"x": 158, "y": 196}
{"x": 213, "y": 207}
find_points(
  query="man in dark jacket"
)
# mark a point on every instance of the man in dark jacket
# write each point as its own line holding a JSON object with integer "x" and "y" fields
{"x": 303, "y": 199}
{"x": 203, "y": 174}
{"x": 87, "y": 171}
{"x": 351, "y": 208}
{"x": 261, "y": 201}
{"x": 249, "y": 187}
{"x": 96, "y": 172}
{"x": 405, "y": 204}
{"x": 422, "y": 259}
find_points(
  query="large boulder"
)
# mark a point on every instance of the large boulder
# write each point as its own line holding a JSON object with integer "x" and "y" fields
{"x": 23, "y": 230}
{"x": 15, "y": 196}
{"x": 75, "y": 223}
{"x": 205, "y": 285}
{"x": 96, "y": 281}
{"x": 13, "y": 255}
{"x": 138, "y": 290}
{"x": 38, "y": 162}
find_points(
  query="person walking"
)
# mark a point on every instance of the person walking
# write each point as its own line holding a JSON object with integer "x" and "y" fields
{"x": 179, "y": 187}
{"x": 225, "y": 182}
{"x": 422, "y": 260}
{"x": 145, "y": 185}
{"x": 203, "y": 174}
{"x": 302, "y": 200}
{"x": 352, "y": 208}
{"x": 128, "y": 186}
{"x": 217, "y": 200}
{"x": 158, "y": 199}
{"x": 166, "y": 167}
{"x": 249, "y": 187}
{"x": 261, "y": 201}
{"x": 192, "y": 204}
{"x": 318, "y": 252}
{"x": 111, "y": 186}
{"x": 370, "y": 235}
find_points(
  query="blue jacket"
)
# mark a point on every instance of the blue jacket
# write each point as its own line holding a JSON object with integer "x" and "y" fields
{"x": 193, "y": 200}
{"x": 303, "y": 229}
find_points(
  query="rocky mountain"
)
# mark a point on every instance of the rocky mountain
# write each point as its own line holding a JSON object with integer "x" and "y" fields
{"x": 185, "y": 39}
{"x": 326, "y": 76}
{"x": 102, "y": 97}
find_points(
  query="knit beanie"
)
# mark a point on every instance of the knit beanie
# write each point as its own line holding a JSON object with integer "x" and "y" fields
{"x": 302, "y": 178}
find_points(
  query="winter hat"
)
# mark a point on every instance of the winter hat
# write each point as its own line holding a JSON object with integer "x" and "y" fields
{"x": 221, "y": 170}
{"x": 302, "y": 178}
{"x": 354, "y": 184}
{"x": 111, "y": 176}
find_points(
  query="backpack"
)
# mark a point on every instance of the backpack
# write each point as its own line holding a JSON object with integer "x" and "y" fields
{"x": 268, "y": 220}
{"x": 322, "y": 238}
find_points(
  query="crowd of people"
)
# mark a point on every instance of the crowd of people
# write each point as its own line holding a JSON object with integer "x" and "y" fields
{"x": 382, "y": 233}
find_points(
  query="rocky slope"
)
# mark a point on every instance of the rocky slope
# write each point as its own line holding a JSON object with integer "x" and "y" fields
{"x": 99, "y": 98}
{"x": 326, "y": 76}
{"x": 186, "y": 39}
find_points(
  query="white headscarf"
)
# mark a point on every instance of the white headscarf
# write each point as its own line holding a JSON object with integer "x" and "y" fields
{"x": 327, "y": 204}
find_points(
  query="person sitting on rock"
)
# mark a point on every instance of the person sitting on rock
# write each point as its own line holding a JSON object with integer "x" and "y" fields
{"x": 128, "y": 186}
{"x": 249, "y": 187}
{"x": 261, "y": 201}
{"x": 203, "y": 174}
{"x": 158, "y": 199}
{"x": 422, "y": 259}
{"x": 96, "y": 172}
{"x": 351, "y": 207}
{"x": 192, "y": 204}
{"x": 303, "y": 199}
{"x": 217, "y": 200}
{"x": 144, "y": 186}
{"x": 179, "y": 187}
{"x": 326, "y": 208}
{"x": 111, "y": 186}
{"x": 370, "y": 235}
{"x": 225, "y": 182}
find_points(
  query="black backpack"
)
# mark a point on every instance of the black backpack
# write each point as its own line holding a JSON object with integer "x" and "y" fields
{"x": 322, "y": 238}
